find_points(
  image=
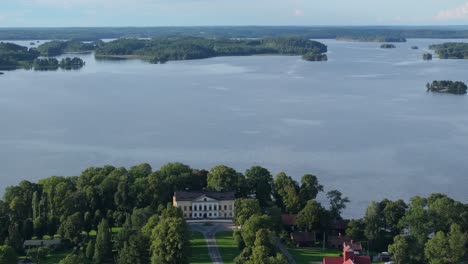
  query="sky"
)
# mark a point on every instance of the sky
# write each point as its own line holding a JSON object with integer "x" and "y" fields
{"x": 65, "y": 13}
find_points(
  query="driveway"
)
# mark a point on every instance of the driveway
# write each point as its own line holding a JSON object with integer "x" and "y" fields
{"x": 209, "y": 228}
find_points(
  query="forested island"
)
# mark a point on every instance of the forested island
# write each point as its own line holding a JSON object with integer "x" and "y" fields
{"x": 372, "y": 39}
{"x": 447, "y": 87}
{"x": 451, "y": 50}
{"x": 117, "y": 215}
{"x": 53, "y": 64}
{"x": 387, "y": 46}
{"x": 162, "y": 49}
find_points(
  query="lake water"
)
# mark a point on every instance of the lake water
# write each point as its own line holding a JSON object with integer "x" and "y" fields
{"x": 362, "y": 122}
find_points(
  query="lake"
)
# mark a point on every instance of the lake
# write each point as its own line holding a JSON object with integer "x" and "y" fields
{"x": 362, "y": 122}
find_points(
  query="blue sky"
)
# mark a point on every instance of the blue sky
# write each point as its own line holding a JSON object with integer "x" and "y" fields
{"x": 46, "y": 13}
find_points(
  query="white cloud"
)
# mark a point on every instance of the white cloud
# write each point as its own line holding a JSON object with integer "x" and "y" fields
{"x": 455, "y": 13}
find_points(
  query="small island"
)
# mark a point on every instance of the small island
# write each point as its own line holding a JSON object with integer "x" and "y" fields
{"x": 414, "y": 47}
{"x": 53, "y": 64}
{"x": 427, "y": 56}
{"x": 1, "y": 73}
{"x": 447, "y": 87}
{"x": 387, "y": 46}
{"x": 451, "y": 50}
{"x": 372, "y": 39}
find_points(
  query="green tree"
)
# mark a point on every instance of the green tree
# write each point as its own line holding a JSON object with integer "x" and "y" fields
{"x": 71, "y": 228}
{"x": 446, "y": 249}
{"x": 393, "y": 213}
{"x": 260, "y": 183}
{"x": 372, "y": 221}
{"x": 311, "y": 216}
{"x": 337, "y": 203}
{"x": 252, "y": 225}
{"x": 355, "y": 230}
{"x": 286, "y": 193}
{"x": 8, "y": 255}
{"x": 170, "y": 242}
{"x": 244, "y": 208}
{"x": 402, "y": 249}
{"x": 418, "y": 220}
{"x": 103, "y": 246}
{"x": 222, "y": 178}
{"x": 437, "y": 249}
{"x": 310, "y": 187}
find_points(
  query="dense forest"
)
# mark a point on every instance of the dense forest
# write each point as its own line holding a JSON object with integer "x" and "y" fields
{"x": 162, "y": 49}
{"x": 324, "y": 32}
{"x": 83, "y": 210}
{"x": 447, "y": 87}
{"x": 451, "y": 50}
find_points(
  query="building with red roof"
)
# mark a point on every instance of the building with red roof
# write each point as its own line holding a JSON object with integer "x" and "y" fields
{"x": 348, "y": 258}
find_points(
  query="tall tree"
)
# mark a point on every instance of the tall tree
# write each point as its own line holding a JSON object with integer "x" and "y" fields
{"x": 286, "y": 193}
{"x": 337, "y": 203}
{"x": 222, "y": 178}
{"x": 310, "y": 187}
{"x": 260, "y": 183}
{"x": 170, "y": 242}
{"x": 103, "y": 246}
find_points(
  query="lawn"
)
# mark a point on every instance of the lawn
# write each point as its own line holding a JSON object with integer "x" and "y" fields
{"x": 312, "y": 255}
{"x": 227, "y": 246}
{"x": 199, "y": 249}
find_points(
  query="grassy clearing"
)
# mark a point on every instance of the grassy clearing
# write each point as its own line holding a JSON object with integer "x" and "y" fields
{"x": 199, "y": 249}
{"x": 227, "y": 246}
{"x": 312, "y": 254}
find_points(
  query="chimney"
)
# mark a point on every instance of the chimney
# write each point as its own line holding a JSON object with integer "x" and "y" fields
{"x": 348, "y": 253}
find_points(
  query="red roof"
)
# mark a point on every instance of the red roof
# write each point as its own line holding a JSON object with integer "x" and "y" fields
{"x": 288, "y": 219}
{"x": 339, "y": 260}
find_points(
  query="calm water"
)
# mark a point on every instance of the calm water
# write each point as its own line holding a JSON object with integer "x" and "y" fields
{"x": 362, "y": 121}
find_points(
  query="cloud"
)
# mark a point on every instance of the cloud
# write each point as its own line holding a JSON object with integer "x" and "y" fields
{"x": 298, "y": 13}
{"x": 456, "y": 13}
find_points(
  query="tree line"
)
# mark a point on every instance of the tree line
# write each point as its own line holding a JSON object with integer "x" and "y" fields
{"x": 310, "y": 32}
{"x": 83, "y": 210}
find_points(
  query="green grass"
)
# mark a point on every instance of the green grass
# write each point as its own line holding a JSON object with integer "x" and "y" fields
{"x": 312, "y": 255}
{"x": 227, "y": 246}
{"x": 53, "y": 257}
{"x": 199, "y": 249}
